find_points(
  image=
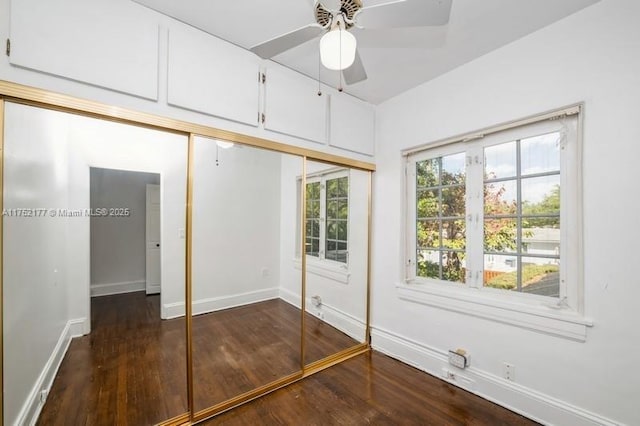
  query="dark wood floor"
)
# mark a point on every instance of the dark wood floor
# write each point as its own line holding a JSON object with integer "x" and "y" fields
{"x": 370, "y": 389}
{"x": 131, "y": 371}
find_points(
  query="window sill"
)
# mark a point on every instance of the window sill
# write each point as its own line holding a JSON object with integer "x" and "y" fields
{"x": 531, "y": 315}
{"x": 325, "y": 269}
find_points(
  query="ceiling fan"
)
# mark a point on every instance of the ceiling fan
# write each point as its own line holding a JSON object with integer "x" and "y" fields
{"x": 336, "y": 18}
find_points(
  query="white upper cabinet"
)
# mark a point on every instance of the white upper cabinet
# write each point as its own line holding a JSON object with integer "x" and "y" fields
{"x": 292, "y": 105}
{"x": 212, "y": 76}
{"x": 108, "y": 44}
{"x": 352, "y": 124}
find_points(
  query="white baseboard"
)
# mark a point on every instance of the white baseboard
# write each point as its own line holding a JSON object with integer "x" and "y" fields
{"x": 33, "y": 405}
{"x": 345, "y": 322}
{"x": 203, "y": 306}
{"x": 117, "y": 288}
{"x": 528, "y": 402}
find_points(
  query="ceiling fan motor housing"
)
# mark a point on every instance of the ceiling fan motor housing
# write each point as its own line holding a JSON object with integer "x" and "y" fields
{"x": 348, "y": 8}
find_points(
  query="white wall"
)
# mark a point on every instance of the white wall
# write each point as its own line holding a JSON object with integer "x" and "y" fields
{"x": 34, "y": 275}
{"x": 592, "y": 56}
{"x": 236, "y": 225}
{"x": 118, "y": 243}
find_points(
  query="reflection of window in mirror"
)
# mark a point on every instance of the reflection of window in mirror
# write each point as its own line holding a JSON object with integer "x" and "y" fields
{"x": 327, "y": 216}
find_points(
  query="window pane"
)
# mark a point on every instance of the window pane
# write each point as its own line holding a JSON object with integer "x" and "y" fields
{"x": 428, "y": 264}
{"x": 500, "y": 235}
{"x": 313, "y": 208}
{"x": 453, "y": 169}
{"x": 343, "y": 187}
{"x": 342, "y": 230}
{"x": 453, "y": 266}
{"x": 541, "y": 195}
{"x": 428, "y": 173}
{"x": 500, "y": 198}
{"x": 332, "y": 188}
{"x": 541, "y": 236}
{"x": 453, "y": 234}
{"x": 500, "y": 161}
{"x": 332, "y": 209}
{"x": 428, "y": 204}
{"x": 541, "y": 276}
{"x": 428, "y": 233}
{"x": 453, "y": 201}
{"x": 540, "y": 154}
{"x": 313, "y": 247}
{"x": 331, "y": 246}
{"x": 313, "y": 228}
{"x": 332, "y": 230}
{"x": 313, "y": 191}
{"x": 500, "y": 272}
{"x": 343, "y": 209}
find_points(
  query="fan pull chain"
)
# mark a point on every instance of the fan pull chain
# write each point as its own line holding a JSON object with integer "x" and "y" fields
{"x": 340, "y": 59}
{"x": 319, "y": 69}
{"x": 217, "y": 152}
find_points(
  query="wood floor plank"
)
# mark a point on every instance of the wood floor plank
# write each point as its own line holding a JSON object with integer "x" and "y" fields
{"x": 370, "y": 389}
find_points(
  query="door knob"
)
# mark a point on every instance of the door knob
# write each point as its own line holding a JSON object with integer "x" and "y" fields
{"x": 158, "y": 245}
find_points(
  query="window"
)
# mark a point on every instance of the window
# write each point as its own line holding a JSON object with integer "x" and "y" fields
{"x": 327, "y": 213}
{"x": 499, "y": 213}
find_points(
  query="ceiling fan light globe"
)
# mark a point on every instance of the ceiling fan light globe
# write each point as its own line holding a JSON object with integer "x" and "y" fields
{"x": 337, "y": 49}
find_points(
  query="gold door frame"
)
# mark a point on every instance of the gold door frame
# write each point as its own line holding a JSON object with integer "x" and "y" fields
{"x": 16, "y": 93}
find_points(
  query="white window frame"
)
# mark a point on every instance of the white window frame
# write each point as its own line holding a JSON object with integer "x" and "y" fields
{"x": 323, "y": 177}
{"x": 563, "y": 316}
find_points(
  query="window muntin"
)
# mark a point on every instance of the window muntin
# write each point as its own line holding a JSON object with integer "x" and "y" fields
{"x": 523, "y": 179}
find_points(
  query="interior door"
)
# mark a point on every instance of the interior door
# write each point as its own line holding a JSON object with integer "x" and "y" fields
{"x": 153, "y": 239}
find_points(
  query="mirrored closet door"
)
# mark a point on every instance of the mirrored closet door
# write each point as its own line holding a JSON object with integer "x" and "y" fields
{"x": 93, "y": 270}
{"x": 246, "y": 297}
{"x": 336, "y": 259}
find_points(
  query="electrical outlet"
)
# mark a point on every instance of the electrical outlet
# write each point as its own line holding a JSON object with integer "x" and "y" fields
{"x": 508, "y": 371}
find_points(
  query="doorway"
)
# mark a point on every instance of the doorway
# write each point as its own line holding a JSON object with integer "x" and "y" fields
{"x": 124, "y": 232}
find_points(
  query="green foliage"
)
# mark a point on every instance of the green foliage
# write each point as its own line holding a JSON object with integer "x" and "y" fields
{"x": 530, "y": 275}
{"x": 550, "y": 204}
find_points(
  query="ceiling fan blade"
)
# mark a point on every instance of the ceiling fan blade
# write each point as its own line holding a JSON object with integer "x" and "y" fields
{"x": 287, "y": 41}
{"x": 356, "y": 72}
{"x": 405, "y": 13}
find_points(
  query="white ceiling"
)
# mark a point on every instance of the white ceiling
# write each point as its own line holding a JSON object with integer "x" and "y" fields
{"x": 396, "y": 59}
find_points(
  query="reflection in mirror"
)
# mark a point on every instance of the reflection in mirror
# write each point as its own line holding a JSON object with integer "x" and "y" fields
{"x": 93, "y": 260}
{"x": 246, "y": 308}
{"x": 336, "y": 241}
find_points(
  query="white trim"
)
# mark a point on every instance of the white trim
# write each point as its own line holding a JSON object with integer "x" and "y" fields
{"x": 479, "y": 134}
{"x": 520, "y": 399}
{"x": 117, "y": 288}
{"x": 348, "y": 324}
{"x": 203, "y": 306}
{"x": 32, "y": 406}
{"x": 290, "y": 297}
{"x": 541, "y": 318}
{"x": 335, "y": 271}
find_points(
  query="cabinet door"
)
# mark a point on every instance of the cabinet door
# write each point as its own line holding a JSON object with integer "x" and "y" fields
{"x": 293, "y": 107}
{"x": 111, "y": 44}
{"x": 212, "y": 76}
{"x": 352, "y": 124}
